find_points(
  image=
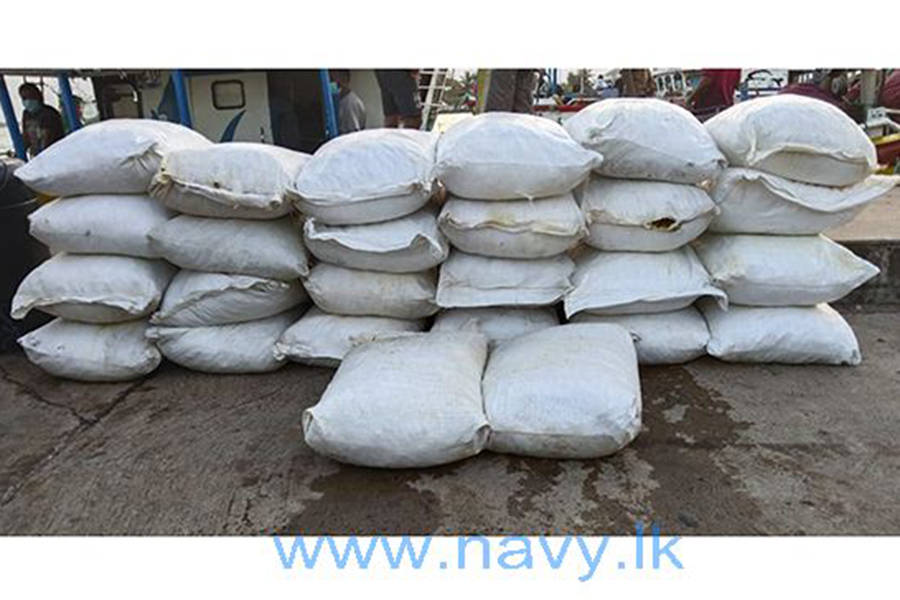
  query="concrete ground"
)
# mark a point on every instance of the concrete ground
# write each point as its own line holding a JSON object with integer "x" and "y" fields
{"x": 725, "y": 449}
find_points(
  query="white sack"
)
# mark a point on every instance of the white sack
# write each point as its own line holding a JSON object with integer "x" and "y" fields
{"x": 319, "y": 338}
{"x": 196, "y": 299}
{"x": 497, "y": 324}
{"x": 406, "y": 245}
{"x": 261, "y": 248}
{"x": 88, "y": 352}
{"x": 797, "y": 137}
{"x": 771, "y": 270}
{"x": 107, "y": 224}
{"x": 468, "y": 280}
{"x": 119, "y": 156}
{"x": 93, "y": 288}
{"x": 566, "y": 392}
{"x": 235, "y": 348}
{"x": 644, "y": 138}
{"x": 644, "y": 216}
{"x": 792, "y": 334}
{"x": 231, "y": 180}
{"x": 503, "y": 156}
{"x": 343, "y": 291}
{"x": 367, "y": 177}
{"x": 755, "y": 202}
{"x": 611, "y": 283}
{"x": 661, "y": 338}
{"x": 413, "y": 401}
{"x": 513, "y": 229}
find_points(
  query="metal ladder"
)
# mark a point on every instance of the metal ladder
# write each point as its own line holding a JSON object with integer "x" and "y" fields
{"x": 434, "y": 82}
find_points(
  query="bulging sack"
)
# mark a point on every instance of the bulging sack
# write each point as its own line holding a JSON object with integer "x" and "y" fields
{"x": 106, "y": 224}
{"x": 232, "y": 180}
{"x": 406, "y": 402}
{"x": 644, "y": 216}
{"x": 565, "y": 392}
{"x": 235, "y": 348}
{"x": 796, "y": 137}
{"x": 272, "y": 249}
{"x": 617, "y": 283}
{"x": 644, "y": 138}
{"x": 661, "y": 338}
{"x": 505, "y": 156}
{"x": 88, "y": 352}
{"x": 792, "y": 335}
{"x": 367, "y": 177}
{"x": 319, "y": 338}
{"x": 196, "y": 299}
{"x": 93, "y": 288}
{"x": 343, "y": 291}
{"x": 513, "y": 229}
{"x": 497, "y": 324}
{"x": 118, "y": 156}
{"x": 468, "y": 280}
{"x": 752, "y": 201}
{"x": 405, "y": 245}
{"x": 771, "y": 270}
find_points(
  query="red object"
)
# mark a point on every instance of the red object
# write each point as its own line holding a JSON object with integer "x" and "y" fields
{"x": 890, "y": 92}
{"x": 720, "y": 91}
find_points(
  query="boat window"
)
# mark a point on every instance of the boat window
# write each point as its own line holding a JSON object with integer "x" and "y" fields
{"x": 228, "y": 94}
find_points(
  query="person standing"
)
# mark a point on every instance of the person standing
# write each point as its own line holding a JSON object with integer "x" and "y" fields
{"x": 636, "y": 83}
{"x": 506, "y": 90}
{"x": 41, "y": 124}
{"x": 400, "y": 97}
{"x": 714, "y": 92}
{"x": 351, "y": 109}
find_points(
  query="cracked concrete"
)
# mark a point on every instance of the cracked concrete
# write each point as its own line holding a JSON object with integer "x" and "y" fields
{"x": 738, "y": 449}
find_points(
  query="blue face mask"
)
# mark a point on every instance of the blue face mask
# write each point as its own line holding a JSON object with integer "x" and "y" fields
{"x": 334, "y": 87}
{"x": 32, "y": 105}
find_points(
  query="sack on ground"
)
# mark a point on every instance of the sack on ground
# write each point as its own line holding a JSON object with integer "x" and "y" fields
{"x": 232, "y": 180}
{"x": 565, "y": 392}
{"x": 406, "y": 402}
{"x": 644, "y": 216}
{"x": 367, "y": 177}
{"x": 771, "y": 270}
{"x": 107, "y": 224}
{"x": 235, "y": 348}
{"x": 93, "y": 288}
{"x": 89, "y": 352}
{"x": 405, "y": 245}
{"x": 118, "y": 156}
{"x": 792, "y": 334}
{"x": 272, "y": 249}
{"x": 497, "y": 324}
{"x": 513, "y": 229}
{"x": 615, "y": 283}
{"x": 647, "y": 139}
{"x": 504, "y": 156}
{"x": 752, "y": 201}
{"x": 469, "y": 280}
{"x": 796, "y": 137}
{"x": 343, "y": 291}
{"x": 660, "y": 338}
{"x": 196, "y": 299}
{"x": 319, "y": 338}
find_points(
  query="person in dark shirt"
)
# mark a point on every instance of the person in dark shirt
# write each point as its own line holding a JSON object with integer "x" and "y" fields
{"x": 41, "y": 124}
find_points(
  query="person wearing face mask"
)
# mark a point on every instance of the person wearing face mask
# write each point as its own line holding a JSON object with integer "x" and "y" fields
{"x": 41, "y": 124}
{"x": 351, "y": 110}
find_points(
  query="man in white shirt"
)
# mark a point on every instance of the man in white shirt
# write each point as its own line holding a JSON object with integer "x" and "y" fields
{"x": 351, "y": 110}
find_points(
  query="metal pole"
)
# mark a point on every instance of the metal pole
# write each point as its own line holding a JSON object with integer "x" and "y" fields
{"x": 181, "y": 98}
{"x": 68, "y": 101}
{"x": 9, "y": 115}
{"x": 331, "y": 124}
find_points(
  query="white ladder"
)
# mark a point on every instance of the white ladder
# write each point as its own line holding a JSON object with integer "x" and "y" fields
{"x": 438, "y": 80}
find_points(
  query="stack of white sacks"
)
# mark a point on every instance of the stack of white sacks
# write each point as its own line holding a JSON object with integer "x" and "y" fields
{"x": 511, "y": 218}
{"x": 369, "y": 223}
{"x": 240, "y": 252}
{"x": 643, "y": 206}
{"x": 104, "y": 278}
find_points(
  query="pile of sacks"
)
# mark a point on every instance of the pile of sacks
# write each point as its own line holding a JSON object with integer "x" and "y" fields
{"x": 240, "y": 253}
{"x": 370, "y": 224}
{"x": 105, "y": 278}
{"x": 798, "y": 167}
